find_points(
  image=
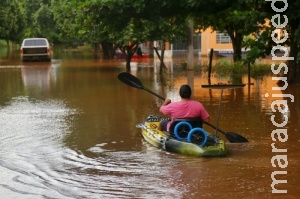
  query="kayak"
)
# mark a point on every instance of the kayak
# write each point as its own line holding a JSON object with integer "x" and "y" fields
{"x": 186, "y": 136}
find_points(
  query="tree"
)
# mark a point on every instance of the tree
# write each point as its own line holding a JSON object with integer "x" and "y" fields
{"x": 12, "y": 20}
{"x": 44, "y": 20}
{"x": 239, "y": 19}
{"x": 65, "y": 16}
{"x": 39, "y": 19}
{"x": 263, "y": 43}
{"x": 122, "y": 24}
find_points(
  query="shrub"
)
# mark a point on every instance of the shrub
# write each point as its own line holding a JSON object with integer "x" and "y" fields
{"x": 225, "y": 68}
{"x": 257, "y": 70}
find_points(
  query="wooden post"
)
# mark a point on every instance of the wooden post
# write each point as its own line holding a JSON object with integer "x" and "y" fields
{"x": 210, "y": 63}
{"x": 249, "y": 73}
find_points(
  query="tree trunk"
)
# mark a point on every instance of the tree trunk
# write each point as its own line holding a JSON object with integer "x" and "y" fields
{"x": 237, "y": 46}
{"x": 129, "y": 51}
{"x": 162, "y": 64}
{"x": 8, "y": 48}
{"x": 108, "y": 50}
{"x": 128, "y": 60}
{"x": 151, "y": 45}
{"x": 190, "y": 41}
{"x": 161, "y": 58}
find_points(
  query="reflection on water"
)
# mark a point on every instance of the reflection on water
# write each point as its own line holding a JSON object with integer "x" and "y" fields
{"x": 36, "y": 77}
{"x": 68, "y": 131}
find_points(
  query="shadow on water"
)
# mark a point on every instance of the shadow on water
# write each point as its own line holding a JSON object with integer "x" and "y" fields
{"x": 68, "y": 131}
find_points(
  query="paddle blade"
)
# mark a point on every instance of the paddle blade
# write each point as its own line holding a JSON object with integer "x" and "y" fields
{"x": 235, "y": 138}
{"x": 133, "y": 81}
{"x": 130, "y": 80}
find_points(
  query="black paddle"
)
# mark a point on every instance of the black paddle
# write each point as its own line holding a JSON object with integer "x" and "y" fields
{"x": 133, "y": 81}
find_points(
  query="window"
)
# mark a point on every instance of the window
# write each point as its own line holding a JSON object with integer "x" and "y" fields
{"x": 35, "y": 42}
{"x": 223, "y": 38}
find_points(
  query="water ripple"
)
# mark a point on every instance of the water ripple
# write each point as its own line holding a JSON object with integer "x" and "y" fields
{"x": 35, "y": 163}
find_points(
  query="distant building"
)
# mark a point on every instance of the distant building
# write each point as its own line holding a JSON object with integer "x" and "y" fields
{"x": 219, "y": 41}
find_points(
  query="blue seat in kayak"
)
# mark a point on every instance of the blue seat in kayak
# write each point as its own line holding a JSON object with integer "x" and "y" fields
{"x": 184, "y": 127}
{"x": 180, "y": 129}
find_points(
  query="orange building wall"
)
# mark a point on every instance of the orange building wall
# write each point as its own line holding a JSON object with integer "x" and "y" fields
{"x": 209, "y": 41}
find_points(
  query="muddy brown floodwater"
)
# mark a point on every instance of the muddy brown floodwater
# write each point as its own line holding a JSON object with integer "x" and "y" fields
{"x": 68, "y": 131}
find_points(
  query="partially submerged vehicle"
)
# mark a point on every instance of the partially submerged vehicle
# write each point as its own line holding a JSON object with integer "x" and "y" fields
{"x": 35, "y": 49}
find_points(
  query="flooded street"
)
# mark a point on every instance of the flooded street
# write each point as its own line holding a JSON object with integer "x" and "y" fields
{"x": 68, "y": 131}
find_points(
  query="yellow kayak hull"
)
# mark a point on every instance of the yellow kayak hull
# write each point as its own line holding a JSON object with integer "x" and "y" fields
{"x": 161, "y": 140}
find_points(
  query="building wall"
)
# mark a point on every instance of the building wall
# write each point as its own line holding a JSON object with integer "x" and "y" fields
{"x": 209, "y": 41}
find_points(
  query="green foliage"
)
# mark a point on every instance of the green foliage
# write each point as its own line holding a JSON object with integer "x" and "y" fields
{"x": 260, "y": 45}
{"x": 259, "y": 70}
{"x": 12, "y": 20}
{"x": 2, "y": 43}
{"x": 227, "y": 68}
{"x": 66, "y": 14}
{"x": 43, "y": 19}
{"x": 239, "y": 19}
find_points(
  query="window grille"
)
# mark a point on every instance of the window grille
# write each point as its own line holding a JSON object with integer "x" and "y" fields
{"x": 222, "y": 38}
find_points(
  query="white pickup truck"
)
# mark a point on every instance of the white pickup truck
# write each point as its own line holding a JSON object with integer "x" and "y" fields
{"x": 35, "y": 49}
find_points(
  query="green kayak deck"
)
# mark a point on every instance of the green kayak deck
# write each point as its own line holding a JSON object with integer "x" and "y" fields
{"x": 213, "y": 148}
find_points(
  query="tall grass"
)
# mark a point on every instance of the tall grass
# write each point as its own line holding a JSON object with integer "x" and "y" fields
{"x": 259, "y": 70}
{"x": 226, "y": 68}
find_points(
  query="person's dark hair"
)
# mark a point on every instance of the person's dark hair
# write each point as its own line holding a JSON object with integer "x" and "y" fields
{"x": 185, "y": 91}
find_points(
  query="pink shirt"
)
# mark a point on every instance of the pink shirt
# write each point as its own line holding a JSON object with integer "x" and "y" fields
{"x": 183, "y": 109}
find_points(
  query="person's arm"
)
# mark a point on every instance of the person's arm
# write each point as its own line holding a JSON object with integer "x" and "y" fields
{"x": 207, "y": 120}
{"x": 204, "y": 114}
{"x": 166, "y": 102}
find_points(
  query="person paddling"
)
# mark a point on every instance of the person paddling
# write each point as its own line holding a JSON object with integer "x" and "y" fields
{"x": 185, "y": 108}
